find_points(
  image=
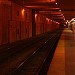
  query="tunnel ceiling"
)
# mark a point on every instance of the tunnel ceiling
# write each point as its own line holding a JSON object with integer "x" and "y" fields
{"x": 64, "y": 10}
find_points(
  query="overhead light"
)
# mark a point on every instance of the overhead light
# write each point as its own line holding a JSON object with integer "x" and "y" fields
{"x": 35, "y": 15}
{"x": 64, "y": 18}
{"x": 51, "y": 20}
{"x": 59, "y": 10}
{"x": 56, "y": 3}
{"x": 52, "y": 0}
{"x": 67, "y": 21}
{"x": 61, "y": 14}
{"x": 23, "y": 10}
{"x": 47, "y": 19}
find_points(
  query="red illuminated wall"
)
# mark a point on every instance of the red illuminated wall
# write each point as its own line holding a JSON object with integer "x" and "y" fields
{"x": 16, "y": 23}
{"x": 38, "y": 24}
{"x": 55, "y": 25}
{"x": 22, "y": 21}
{"x": 4, "y": 21}
{"x": 43, "y": 24}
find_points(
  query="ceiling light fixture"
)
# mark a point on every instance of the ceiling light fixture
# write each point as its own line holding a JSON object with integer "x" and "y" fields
{"x": 56, "y": 3}
{"x": 64, "y": 18}
{"x": 62, "y": 14}
{"x": 59, "y": 10}
{"x": 23, "y": 10}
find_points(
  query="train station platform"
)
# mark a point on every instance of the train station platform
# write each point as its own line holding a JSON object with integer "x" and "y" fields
{"x": 63, "y": 62}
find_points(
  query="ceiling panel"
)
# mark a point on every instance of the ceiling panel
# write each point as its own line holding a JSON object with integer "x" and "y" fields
{"x": 50, "y": 9}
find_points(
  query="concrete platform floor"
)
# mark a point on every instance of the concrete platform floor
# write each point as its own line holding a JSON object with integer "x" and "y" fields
{"x": 63, "y": 62}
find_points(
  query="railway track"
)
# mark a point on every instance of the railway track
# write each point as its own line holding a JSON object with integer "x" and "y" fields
{"x": 14, "y": 65}
{"x": 32, "y": 65}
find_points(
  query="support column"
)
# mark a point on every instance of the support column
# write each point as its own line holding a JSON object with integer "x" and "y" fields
{"x": 33, "y": 23}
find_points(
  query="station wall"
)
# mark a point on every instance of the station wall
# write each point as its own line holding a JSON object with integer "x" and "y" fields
{"x": 22, "y": 20}
{"x": 43, "y": 24}
{"x": 4, "y": 21}
{"x": 16, "y": 23}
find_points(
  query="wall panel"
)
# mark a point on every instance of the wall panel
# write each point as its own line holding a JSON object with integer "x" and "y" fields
{"x": 12, "y": 31}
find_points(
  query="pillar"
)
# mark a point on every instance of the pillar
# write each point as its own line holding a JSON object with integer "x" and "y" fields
{"x": 33, "y": 23}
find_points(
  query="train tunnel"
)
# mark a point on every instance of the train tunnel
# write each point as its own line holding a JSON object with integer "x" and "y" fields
{"x": 37, "y": 37}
